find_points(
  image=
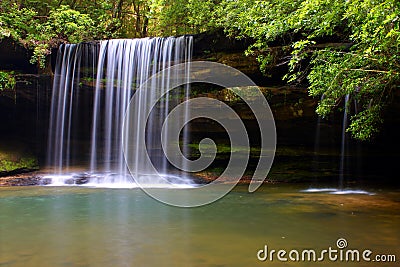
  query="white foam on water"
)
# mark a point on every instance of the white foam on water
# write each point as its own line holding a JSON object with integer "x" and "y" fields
{"x": 318, "y": 190}
{"x": 352, "y": 192}
{"x": 335, "y": 191}
{"x": 106, "y": 180}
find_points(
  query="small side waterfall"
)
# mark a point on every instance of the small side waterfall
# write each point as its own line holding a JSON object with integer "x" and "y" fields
{"x": 317, "y": 143}
{"x": 340, "y": 189}
{"x": 343, "y": 144}
{"x": 118, "y": 68}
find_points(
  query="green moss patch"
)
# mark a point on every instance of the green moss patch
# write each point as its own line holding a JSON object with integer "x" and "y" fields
{"x": 14, "y": 159}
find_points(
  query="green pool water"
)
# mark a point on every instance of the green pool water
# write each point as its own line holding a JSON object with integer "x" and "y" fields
{"x": 75, "y": 226}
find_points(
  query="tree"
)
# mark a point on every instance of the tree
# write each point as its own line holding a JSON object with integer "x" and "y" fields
{"x": 366, "y": 66}
{"x": 41, "y": 33}
{"x": 42, "y": 25}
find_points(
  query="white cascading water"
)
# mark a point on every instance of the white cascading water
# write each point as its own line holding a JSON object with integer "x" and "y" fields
{"x": 343, "y": 144}
{"x": 340, "y": 190}
{"x": 118, "y": 68}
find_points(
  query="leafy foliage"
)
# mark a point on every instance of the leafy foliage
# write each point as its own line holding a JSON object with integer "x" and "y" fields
{"x": 70, "y": 24}
{"x": 340, "y": 47}
{"x": 366, "y": 65}
{"x": 7, "y": 80}
{"x": 42, "y": 25}
{"x": 41, "y": 33}
{"x": 177, "y": 17}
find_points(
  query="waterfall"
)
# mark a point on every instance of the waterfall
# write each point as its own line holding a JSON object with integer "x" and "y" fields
{"x": 341, "y": 190}
{"x": 316, "y": 159}
{"x": 343, "y": 144}
{"x": 73, "y": 60}
{"x": 117, "y": 68}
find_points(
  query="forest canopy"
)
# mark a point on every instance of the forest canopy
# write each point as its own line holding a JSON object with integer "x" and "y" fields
{"x": 336, "y": 47}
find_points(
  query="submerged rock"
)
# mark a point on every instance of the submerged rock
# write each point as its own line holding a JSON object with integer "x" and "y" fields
{"x": 25, "y": 179}
{"x": 81, "y": 179}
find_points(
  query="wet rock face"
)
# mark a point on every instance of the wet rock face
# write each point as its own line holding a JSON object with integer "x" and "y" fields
{"x": 22, "y": 130}
{"x": 21, "y": 180}
{"x": 217, "y": 41}
{"x": 14, "y": 56}
{"x": 230, "y": 51}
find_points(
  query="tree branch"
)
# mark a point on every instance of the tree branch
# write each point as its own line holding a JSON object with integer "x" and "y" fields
{"x": 376, "y": 71}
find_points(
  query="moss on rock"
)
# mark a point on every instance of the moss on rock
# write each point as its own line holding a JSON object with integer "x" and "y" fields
{"x": 16, "y": 159}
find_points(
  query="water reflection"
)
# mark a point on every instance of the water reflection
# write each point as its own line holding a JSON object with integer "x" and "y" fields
{"x": 45, "y": 226}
